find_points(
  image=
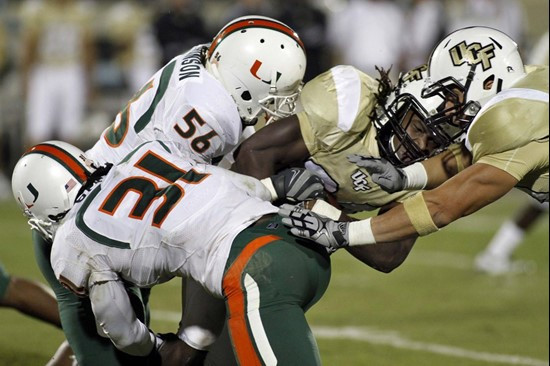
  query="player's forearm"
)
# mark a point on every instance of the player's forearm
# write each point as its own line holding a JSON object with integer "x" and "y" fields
{"x": 444, "y": 166}
{"x": 116, "y": 318}
{"x": 464, "y": 194}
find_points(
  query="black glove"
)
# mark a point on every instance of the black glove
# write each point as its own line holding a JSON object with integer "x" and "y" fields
{"x": 298, "y": 184}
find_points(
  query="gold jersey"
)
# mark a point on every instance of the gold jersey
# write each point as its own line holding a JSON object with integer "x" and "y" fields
{"x": 510, "y": 132}
{"x": 335, "y": 122}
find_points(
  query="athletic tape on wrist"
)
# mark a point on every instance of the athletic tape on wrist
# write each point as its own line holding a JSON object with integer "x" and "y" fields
{"x": 268, "y": 183}
{"x": 360, "y": 233}
{"x": 417, "y": 178}
{"x": 326, "y": 209}
{"x": 456, "y": 149}
{"x": 418, "y": 213}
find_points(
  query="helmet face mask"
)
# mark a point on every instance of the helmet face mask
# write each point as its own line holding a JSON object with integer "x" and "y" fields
{"x": 402, "y": 134}
{"x": 46, "y": 181}
{"x": 466, "y": 69}
{"x": 261, "y": 63}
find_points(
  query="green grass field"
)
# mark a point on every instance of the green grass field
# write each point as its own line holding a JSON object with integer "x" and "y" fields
{"x": 433, "y": 310}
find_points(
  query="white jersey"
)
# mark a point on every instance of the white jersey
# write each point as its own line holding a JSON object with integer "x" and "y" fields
{"x": 157, "y": 215}
{"x": 182, "y": 103}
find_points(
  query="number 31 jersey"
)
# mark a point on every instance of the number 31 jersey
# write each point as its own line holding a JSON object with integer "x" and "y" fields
{"x": 157, "y": 215}
{"x": 182, "y": 103}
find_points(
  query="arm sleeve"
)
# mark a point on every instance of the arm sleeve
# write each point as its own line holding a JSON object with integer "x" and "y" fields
{"x": 116, "y": 318}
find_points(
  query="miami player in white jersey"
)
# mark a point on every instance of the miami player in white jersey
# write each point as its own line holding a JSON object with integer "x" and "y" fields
{"x": 159, "y": 214}
{"x": 199, "y": 101}
{"x": 493, "y": 103}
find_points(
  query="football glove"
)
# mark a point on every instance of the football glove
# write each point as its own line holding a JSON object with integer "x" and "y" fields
{"x": 309, "y": 225}
{"x": 298, "y": 184}
{"x": 382, "y": 172}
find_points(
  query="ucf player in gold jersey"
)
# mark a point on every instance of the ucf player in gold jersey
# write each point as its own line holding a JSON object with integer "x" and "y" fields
{"x": 344, "y": 112}
{"x": 497, "y": 107}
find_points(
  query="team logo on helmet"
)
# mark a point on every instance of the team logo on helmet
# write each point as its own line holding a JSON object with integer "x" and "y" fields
{"x": 473, "y": 54}
{"x": 415, "y": 74}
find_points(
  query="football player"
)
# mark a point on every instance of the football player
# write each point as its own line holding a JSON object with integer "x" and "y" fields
{"x": 201, "y": 101}
{"x": 344, "y": 112}
{"x": 159, "y": 214}
{"x": 497, "y": 106}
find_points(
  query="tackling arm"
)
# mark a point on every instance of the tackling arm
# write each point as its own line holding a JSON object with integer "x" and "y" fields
{"x": 115, "y": 316}
{"x": 275, "y": 146}
{"x": 422, "y": 214}
{"x": 462, "y": 195}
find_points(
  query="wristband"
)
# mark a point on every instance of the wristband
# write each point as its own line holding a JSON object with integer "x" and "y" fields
{"x": 268, "y": 183}
{"x": 325, "y": 209}
{"x": 416, "y": 176}
{"x": 360, "y": 233}
{"x": 417, "y": 211}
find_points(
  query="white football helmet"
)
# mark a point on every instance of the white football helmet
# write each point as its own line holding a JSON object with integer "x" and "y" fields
{"x": 46, "y": 180}
{"x": 467, "y": 68}
{"x": 393, "y": 118}
{"x": 261, "y": 62}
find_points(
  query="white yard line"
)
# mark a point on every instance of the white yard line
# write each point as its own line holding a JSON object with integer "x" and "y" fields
{"x": 393, "y": 339}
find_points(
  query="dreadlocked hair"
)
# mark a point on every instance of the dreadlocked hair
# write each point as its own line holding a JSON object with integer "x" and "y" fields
{"x": 385, "y": 87}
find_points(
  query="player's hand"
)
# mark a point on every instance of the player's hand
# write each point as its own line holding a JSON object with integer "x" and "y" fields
{"x": 309, "y": 225}
{"x": 382, "y": 172}
{"x": 298, "y": 184}
{"x": 175, "y": 352}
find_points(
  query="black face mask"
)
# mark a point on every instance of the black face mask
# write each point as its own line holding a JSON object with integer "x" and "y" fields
{"x": 392, "y": 132}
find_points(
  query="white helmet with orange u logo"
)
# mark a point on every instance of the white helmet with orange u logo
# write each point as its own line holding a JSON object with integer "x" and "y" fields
{"x": 261, "y": 62}
{"x": 46, "y": 180}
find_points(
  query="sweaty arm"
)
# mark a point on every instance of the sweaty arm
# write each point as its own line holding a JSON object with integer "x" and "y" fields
{"x": 275, "y": 146}
{"x": 384, "y": 257}
{"x": 462, "y": 195}
{"x": 115, "y": 316}
{"x": 443, "y": 166}
{"x": 421, "y": 214}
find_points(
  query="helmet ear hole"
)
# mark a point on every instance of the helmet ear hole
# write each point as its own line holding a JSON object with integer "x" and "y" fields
{"x": 488, "y": 82}
{"x": 246, "y": 96}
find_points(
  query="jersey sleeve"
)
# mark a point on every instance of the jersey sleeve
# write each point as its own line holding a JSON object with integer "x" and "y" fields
{"x": 336, "y": 106}
{"x": 521, "y": 161}
{"x": 116, "y": 318}
{"x": 507, "y": 125}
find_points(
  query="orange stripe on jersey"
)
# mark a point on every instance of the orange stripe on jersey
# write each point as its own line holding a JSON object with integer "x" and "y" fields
{"x": 74, "y": 166}
{"x": 254, "y": 23}
{"x": 246, "y": 354}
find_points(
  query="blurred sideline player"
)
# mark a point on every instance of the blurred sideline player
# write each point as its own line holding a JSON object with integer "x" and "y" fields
{"x": 33, "y": 299}
{"x": 57, "y": 63}
{"x": 497, "y": 106}
{"x": 200, "y": 101}
{"x": 160, "y": 214}
{"x": 345, "y": 111}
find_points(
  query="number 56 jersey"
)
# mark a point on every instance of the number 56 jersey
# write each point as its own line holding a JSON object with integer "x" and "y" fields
{"x": 182, "y": 103}
{"x": 157, "y": 215}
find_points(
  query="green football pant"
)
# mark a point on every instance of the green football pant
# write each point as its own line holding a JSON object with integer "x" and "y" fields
{"x": 271, "y": 279}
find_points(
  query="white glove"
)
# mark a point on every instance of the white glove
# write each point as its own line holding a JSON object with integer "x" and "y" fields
{"x": 390, "y": 178}
{"x": 309, "y": 225}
